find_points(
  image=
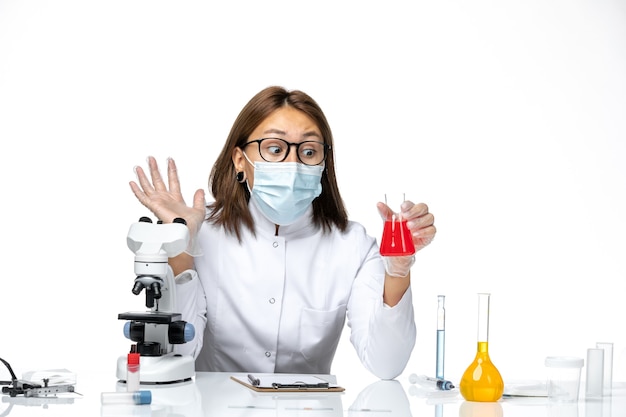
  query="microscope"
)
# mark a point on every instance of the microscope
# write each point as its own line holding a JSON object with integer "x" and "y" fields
{"x": 158, "y": 329}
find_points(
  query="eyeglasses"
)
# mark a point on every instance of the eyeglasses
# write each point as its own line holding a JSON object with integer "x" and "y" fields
{"x": 276, "y": 150}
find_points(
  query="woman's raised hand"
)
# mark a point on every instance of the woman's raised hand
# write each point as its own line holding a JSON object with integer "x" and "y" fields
{"x": 166, "y": 200}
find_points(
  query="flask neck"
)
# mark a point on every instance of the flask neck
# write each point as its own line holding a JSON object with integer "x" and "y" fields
{"x": 483, "y": 347}
{"x": 483, "y": 317}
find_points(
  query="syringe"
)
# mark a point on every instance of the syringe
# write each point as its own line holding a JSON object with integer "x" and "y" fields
{"x": 428, "y": 381}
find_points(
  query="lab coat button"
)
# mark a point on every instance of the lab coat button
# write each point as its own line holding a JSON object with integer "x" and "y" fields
{"x": 275, "y": 244}
{"x": 268, "y": 354}
{"x": 272, "y": 301}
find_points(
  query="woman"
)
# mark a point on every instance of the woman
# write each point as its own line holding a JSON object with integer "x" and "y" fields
{"x": 274, "y": 265}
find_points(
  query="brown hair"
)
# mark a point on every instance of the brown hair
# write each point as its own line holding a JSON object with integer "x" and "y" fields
{"x": 230, "y": 207}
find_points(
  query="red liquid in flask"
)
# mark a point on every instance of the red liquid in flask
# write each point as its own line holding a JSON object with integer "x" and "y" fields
{"x": 397, "y": 239}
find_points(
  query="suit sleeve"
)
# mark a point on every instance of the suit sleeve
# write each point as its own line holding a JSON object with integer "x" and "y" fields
{"x": 383, "y": 336}
{"x": 191, "y": 303}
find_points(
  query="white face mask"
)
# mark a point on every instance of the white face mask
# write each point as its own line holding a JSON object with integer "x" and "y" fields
{"x": 283, "y": 191}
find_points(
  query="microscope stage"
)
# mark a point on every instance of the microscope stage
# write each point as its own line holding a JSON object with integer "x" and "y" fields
{"x": 150, "y": 317}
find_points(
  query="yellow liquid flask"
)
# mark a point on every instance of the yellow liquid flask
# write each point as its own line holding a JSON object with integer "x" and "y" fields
{"x": 482, "y": 381}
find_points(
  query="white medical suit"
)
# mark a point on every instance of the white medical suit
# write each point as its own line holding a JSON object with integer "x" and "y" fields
{"x": 277, "y": 303}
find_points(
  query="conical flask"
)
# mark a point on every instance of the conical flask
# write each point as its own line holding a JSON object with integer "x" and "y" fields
{"x": 482, "y": 381}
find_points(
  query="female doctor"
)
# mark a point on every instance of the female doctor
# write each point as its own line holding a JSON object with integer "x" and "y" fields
{"x": 274, "y": 266}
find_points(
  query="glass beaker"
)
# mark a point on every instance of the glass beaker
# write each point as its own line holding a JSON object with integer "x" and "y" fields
{"x": 397, "y": 239}
{"x": 481, "y": 380}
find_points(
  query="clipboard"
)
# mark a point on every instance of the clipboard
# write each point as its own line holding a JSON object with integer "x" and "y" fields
{"x": 287, "y": 383}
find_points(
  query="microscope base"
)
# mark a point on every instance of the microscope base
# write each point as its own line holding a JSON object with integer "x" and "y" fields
{"x": 165, "y": 369}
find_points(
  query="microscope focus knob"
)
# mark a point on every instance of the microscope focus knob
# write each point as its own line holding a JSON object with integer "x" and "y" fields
{"x": 180, "y": 332}
{"x": 134, "y": 330}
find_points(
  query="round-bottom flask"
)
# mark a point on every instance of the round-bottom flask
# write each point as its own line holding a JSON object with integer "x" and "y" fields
{"x": 481, "y": 380}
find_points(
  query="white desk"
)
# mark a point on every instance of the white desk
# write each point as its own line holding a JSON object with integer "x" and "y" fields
{"x": 214, "y": 394}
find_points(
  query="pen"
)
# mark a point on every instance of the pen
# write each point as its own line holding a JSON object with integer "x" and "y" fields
{"x": 254, "y": 381}
{"x": 440, "y": 383}
{"x": 299, "y": 385}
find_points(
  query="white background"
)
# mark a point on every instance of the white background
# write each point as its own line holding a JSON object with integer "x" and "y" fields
{"x": 508, "y": 118}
